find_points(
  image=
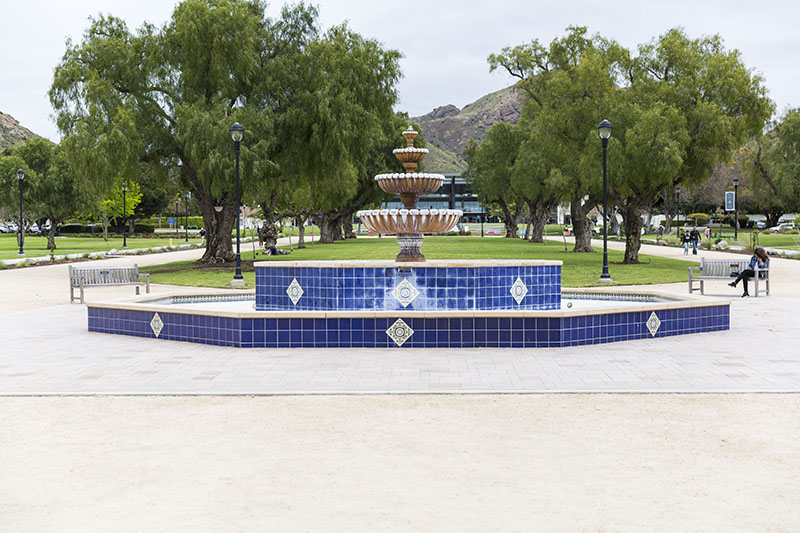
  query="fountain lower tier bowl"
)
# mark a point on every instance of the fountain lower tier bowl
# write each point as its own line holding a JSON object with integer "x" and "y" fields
{"x": 418, "y": 221}
{"x": 410, "y": 183}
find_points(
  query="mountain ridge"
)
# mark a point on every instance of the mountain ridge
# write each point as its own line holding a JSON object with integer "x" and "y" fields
{"x": 12, "y": 132}
{"x": 448, "y": 129}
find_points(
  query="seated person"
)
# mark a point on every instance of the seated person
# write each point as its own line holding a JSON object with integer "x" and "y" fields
{"x": 271, "y": 250}
{"x": 759, "y": 259}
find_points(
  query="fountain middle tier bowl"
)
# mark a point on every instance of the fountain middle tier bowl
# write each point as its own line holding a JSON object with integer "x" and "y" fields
{"x": 392, "y": 221}
{"x": 413, "y": 182}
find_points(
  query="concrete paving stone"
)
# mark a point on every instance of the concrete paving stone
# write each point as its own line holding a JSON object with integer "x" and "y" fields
{"x": 758, "y": 353}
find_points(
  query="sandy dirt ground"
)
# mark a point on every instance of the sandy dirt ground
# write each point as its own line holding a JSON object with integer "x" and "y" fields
{"x": 588, "y": 462}
{"x": 424, "y": 463}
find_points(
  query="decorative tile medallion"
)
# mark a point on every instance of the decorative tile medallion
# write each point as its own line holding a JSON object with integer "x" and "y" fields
{"x": 405, "y": 292}
{"x": 295, "y": 291}
{"x": 653, "y": 323}
{"x": 156, "y": 324}
{"x": 519, "y": 290}
{"x": 399, "y": 332}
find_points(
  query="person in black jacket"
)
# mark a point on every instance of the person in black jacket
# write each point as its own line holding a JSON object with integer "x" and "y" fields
{"x": 695, "y": 236}
{"x": 760, "y": 259}
{"x": 686, "y": 239}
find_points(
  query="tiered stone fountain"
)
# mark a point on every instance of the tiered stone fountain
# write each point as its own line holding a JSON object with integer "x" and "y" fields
{"x": 409, "y": 302}
{"x": 410, "y": 223}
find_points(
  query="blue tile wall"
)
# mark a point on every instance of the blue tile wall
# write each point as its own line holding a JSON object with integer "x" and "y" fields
{"x": 357, "y": 288}
{"x": 455, "y": 332}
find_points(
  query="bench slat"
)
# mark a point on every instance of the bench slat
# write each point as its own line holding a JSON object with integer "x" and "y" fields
{"x": 81, "y": 277}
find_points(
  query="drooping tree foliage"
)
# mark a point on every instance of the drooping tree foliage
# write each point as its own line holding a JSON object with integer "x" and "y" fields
{"x": 157, "y": 99}
{"x": 565, "y": 84}
{"x": 51, "y": 189}
{"x": 772, "y": 168}
{"x": 678, "y": 106}
{"x": 491, "y": 168}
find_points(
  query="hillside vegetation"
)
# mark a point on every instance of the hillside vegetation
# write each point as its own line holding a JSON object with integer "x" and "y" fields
{"x": 447, "y": 129}
{"x": 11, "y": 132}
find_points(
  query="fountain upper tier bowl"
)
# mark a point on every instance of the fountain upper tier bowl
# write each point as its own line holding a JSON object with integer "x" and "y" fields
{"x": 410, "y": 156}
{"x": 410, "y": 183}
{"x": 392, "y": 221}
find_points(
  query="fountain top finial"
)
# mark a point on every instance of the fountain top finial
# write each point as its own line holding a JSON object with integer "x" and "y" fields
{"x": 410, "y": 135}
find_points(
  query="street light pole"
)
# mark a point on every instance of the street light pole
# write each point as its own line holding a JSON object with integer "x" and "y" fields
{"x": 21, "y": 176}
{"x": 604, "y": 130}
{"x": 237, "y": 132}
{"x": 736, "y": 209}
{"x": 124, "y": 216}
{"x": 186, "y": 211}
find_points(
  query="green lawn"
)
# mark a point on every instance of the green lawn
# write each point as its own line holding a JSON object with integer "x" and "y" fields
{"x": 579, "y": 270}
{"x": 37, "y": 246}
{"x": 787, "y": 241}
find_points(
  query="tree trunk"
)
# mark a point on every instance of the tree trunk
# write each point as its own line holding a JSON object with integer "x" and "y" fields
{"x": 219, "y": 226}
{"x": 581, "y": 225}
{"x": 301, "y": 232}
{"x": 773, "y": 218}
{"x": 509, "y": 219}
{"x": 539, "y": 219}
{"x": 528, "y": 235}
{"x": 328, "y": 227}
{"x": 347, "y": 226}
{"x": 106, "y": 223}
{"x": 632, "y": 220}
{"x": 539, "y": 213}
{"x": 51, "y": 237}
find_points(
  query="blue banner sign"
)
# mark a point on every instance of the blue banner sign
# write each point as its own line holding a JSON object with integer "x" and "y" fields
{"x": 730, "y": 201}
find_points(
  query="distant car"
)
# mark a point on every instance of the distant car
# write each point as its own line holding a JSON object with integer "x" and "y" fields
{"x": 4, "y": 228}
{"x": 783, "y": 226}
{"x": 760, "y": 224}
{"x": 34, "y": 228}
{"x": 12, "y": 226}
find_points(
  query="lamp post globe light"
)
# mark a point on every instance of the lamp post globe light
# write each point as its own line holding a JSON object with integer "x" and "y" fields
{"x": 678, "y": 209}
{"x": 735, "y": 209}
{"x": 124, "y": 215}
{"x": 604, "y": 131}
{"x": 237, "y": 132}
{"x": 21, "y": 176}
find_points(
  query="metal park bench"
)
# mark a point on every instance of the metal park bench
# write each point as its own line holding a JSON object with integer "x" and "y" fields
{"x": 725, "y": 269}
{"x": 81, "y": 277}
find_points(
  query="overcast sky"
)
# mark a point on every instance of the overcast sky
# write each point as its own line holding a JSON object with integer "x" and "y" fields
{"x": 445, "y": 43}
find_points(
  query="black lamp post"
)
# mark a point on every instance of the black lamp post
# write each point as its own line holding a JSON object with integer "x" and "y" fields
{"x": 678, "y": 208}
{"x": 735, "y": 209}
{"x": 237, "y": 132}
{"x": 604, "y": 130}
{"x": 124, "y": 215}
{"x": 186, "y": 197}
{"x": 21, "y": 176}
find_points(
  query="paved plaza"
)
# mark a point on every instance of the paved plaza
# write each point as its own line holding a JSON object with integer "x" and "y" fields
{"x": 48, "y": 350}
{"x": 368, "y": 440}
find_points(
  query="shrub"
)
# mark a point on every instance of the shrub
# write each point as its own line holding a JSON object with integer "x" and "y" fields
{"x": 700, "y": 218}
{"x": 72, "y": 228}
{"x": 143, "y": 228}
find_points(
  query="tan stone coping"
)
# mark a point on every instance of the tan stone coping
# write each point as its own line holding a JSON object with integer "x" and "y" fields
{"x": 437, "y": 263}
{"x": 140, "y": 303}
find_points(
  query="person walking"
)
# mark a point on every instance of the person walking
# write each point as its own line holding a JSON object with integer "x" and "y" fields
{"x": 695, "y": 236}
{"x": 760, "y": 259}
{"x": 687, "y": 238}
